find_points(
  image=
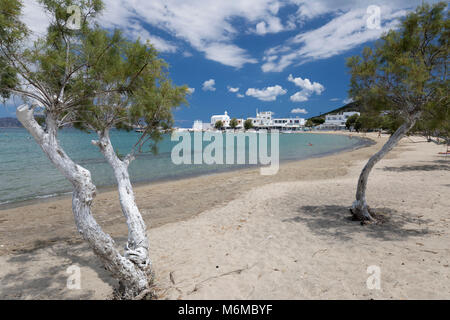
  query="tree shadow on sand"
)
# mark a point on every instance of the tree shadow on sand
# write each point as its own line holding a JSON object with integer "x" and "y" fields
{"x": 49, "y": 280}
{"x": 442, "y": 165}
{"x": 335, "y": 221}
{"x": 45, "y": 284}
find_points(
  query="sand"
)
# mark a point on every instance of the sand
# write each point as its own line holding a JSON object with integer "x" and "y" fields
{"x": 239, "y": 235}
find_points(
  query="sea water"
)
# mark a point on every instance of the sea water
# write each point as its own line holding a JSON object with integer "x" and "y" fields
{"x": 26, "y": 173}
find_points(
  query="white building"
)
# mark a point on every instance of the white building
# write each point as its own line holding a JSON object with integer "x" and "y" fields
{"x": 262, "y": 118}
{"x": 200, "y": 126}
{"x": 240, "y": 123}
{"x": 265, "y": 120}
{"x": 289, "y": 122}
{"x": 337, "y": 121}
{"x": 221, "y": 117}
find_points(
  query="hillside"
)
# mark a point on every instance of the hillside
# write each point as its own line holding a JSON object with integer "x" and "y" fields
{"x": 352, "y": 106}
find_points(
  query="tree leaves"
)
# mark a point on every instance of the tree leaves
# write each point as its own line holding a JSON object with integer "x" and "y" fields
{"x": 406, "y": 71}
{"x": 93, "y": 78}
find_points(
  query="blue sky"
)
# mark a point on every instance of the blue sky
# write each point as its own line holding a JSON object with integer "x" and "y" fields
{"x": 287, "y": 56}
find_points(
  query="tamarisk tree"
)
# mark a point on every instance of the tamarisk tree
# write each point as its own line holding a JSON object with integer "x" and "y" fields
{"x": 93, "y": 80}
{"x": 406, "y": 74}
{"x": 131, "y": 89}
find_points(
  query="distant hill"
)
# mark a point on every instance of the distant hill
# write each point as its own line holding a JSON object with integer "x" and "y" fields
{"x": 352, "y": 106}
{"x": 10, "y": 123}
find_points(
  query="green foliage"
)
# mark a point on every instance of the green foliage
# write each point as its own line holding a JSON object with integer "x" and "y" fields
{"x": 309, "y": 123}
{"x": 317, "y": 121}
{"x": 358, "y": 125}
{"x": 406, "y": 72}
{"x": 248, "y": 124}
{"x": 351, "y": 121}
{"x": 46, "y": 66}
{"x": 367, "y": 122}
{"x": 233, "y": 123}
{"x": 8, "y": 79}
{"x": 218, "y": 125}
{"x": 12, "y": 31}
{"x": 131, "y": 88}
{"x": 437, "y": 124}
{"x": 391, "y": 122}
{"x": 92, "y": 78}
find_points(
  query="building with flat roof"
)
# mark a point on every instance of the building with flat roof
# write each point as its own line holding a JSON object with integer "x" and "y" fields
{"x": 337, "y": 121}
{"x": 221, "y": 117}
{"x": 265, "y": 120}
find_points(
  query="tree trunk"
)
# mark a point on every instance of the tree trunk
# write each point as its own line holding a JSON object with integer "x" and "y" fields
{"x": 360, "y": 209}
{"x": 133, "y": 280}
{"x": 137, "y": 246}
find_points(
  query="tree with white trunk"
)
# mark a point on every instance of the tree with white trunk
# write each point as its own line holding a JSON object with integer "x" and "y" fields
{"x": 406, "y": 73}
{"x": 133, "y": 91}
{"x": 94, "y": 80}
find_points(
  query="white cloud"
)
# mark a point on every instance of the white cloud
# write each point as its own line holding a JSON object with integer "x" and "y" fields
{"x": 341, "y": 34}
{"x": 240, "y": 95}
{"x": 312, "y": 9}
{"x": 35, "y": 17}
{"x": 227, "y": 54}
{"x": 161, "y": 45}
{"x": 191, "y": 91}
{"x": 208, "y": 85}
{"x": 261, "y": 28}
{"x": 266, "y": 94}
{"x": 300, "y": 96}
{"x": 135, "y": 31}
{"x": 308, "y": 88}
{"x": 347, "y": 101}
{"x": 210, "y": 30}
{"x": 334, "y": 99}
{"x": 231, "y": 89}
{"x": 346, "y": 30}
{"x": 299, "y": 111}
{"x": 207, "y": 27}
{"x": 307, "y": 85}
{"x": 118, "y": 15}
{"x": 271, "y": 25}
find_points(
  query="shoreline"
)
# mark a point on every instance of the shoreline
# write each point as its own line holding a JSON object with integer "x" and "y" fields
{"x": 11, "y": 204}
{"x": 246, "y": 236}
{"x": 49, "y": 220}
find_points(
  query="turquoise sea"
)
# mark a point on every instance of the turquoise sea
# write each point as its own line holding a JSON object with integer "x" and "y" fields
{"x": 26, "y": 173}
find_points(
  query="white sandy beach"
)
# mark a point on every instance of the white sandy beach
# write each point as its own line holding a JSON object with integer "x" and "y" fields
{"x": 283, "y": 238}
